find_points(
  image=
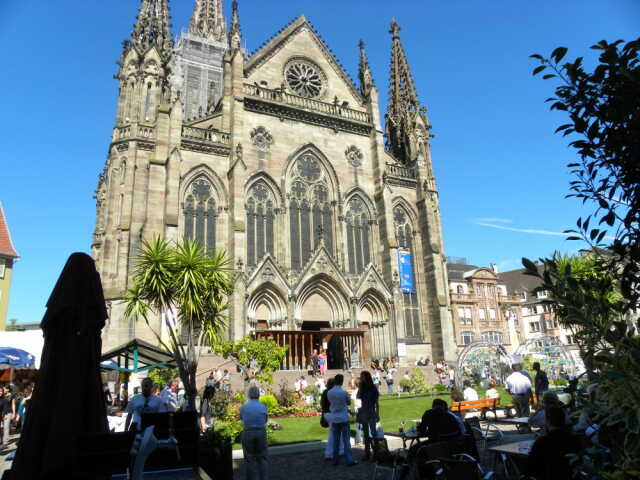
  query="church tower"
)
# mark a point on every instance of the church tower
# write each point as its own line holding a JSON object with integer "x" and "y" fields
{"x": 407, "y": 141}
{"x": 198, "y": 59}
{"x": 123, "y": 193}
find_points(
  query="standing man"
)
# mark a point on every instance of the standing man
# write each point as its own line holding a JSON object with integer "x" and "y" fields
{"x": 8, "y": 406}
{"x": 541, "y": 382}
{"x": 168, "y": 397}
{"x": 338, "y": 417}
{"x": 142, "y": 403}
{"x": 254, "y": 437}
{"x": 519, "y": 386}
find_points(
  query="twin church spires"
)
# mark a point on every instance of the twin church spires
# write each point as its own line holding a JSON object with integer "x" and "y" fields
{"x": 152, "y": 28}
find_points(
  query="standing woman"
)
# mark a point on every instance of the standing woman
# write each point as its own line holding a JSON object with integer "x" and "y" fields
{"x": 322, "y": 360}
{"x": 368, "y": 413}
{"x": 326, "y": 408}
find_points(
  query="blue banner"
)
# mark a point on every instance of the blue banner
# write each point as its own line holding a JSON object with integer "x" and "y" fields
{"x": 407, "y": 284}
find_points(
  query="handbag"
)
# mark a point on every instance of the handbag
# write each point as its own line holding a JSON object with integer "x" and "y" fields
{"x": 323, "y": 421}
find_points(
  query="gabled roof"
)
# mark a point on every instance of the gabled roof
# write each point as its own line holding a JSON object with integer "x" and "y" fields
{"x": 517, "y": 281}
{"x": 6, "y": 245}
{"x": 268, "y": 48}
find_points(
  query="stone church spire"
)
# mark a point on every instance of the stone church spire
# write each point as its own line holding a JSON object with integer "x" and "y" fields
{"x": 207, "y": 20}
{"x": 402, "y": 105}
{"x": 235, "y": 36}
{"x": 152, "y": 28}
{"x": 364, "y": 72}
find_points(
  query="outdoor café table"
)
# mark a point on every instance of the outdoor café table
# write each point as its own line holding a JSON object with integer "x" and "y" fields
{"x": 521, "y": 423}
{"x": 509, "y": 453}
{"x": 412, "y": 436}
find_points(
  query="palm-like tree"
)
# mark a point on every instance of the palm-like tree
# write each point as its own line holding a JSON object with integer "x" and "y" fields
{"x": 188, "y": 288}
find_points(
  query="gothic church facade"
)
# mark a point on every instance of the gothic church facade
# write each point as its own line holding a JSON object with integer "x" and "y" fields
{"x": 331, "y": 218}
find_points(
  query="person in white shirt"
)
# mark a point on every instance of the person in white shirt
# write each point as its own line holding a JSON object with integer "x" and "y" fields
{"x": 300, "y": 385}
{"x": 492, "y": 392}
{"x": 254, "y": 436}
{"x": 519, "y": 386}
{"x": 338, "y": 417}
{"x": 168, "y": 397}
{"x": 469, "y": 393}
{"x": 142, "y": 403}
{"x": 321, "y": 385}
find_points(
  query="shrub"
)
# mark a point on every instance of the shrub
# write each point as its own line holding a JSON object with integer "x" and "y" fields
{"x": 439, "y": 388}
{"x": 269, "y": 401}
{"x": 311, "y": 391}
{"x": 286, "y": 396}
{"x": 405, "y": 384}
{"x": 418, "y": 382}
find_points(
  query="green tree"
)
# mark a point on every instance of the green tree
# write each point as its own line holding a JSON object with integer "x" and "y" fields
{"x": 595, "y": 296}
{"x": 256, "y": 358}
{"x": 161, "y": 376}
{"x": 188, "y": 288}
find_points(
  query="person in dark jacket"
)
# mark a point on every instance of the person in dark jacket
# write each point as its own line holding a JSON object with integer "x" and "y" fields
{"x": 548, "y": 458}
{"x": 368, "y": 412}
{"x": 541, "y": 381}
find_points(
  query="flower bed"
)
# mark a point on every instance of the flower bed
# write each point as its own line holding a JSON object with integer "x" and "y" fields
{"x": 293, "y": 411}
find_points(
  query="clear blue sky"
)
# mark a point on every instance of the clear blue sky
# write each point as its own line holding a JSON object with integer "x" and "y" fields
{"x": 496, "y": 159}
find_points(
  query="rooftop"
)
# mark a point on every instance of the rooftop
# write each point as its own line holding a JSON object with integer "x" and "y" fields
{"x": 6, "y": 245}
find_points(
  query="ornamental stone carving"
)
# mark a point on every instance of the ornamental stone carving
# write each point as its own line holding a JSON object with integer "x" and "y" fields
{"x": 261, "y": 138}
{"x": 354, "y": 156}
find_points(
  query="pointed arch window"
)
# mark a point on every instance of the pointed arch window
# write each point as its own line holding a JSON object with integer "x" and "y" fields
{"x": 411, "y": 306}
{"x": 200, "y": 213}
{"x": 358, "y": 235}
{"x": 147, "y": 103}
{"x": 310, "y": 210}
{"x": 261, "y": 214}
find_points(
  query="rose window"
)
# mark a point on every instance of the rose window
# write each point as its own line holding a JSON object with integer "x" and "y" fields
{"x": 304, "y": 79}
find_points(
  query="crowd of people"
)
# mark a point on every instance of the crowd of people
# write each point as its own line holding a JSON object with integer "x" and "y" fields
{"x": 14, "y": 403}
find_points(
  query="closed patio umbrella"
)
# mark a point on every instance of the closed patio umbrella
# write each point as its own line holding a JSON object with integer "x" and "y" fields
{"x": 67, "y": 400}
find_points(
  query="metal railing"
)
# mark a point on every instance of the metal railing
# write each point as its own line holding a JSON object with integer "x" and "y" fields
{"x": 280, "y": 96}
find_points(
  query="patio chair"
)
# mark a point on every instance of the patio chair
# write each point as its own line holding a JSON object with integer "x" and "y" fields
{"x": 464, "y": 467}
{"x": 490, "y": 434}
{"x": 426, "y": 461}
{"x": 386, "y": 460}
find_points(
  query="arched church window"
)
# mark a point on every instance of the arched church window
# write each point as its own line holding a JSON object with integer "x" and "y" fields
{"x": 261, "y": 216}
{"x": 200, "y": 213}
{"x": 358, "y": 235}
{"x": 310, "y": 210}
{"x": 411, "y": 306}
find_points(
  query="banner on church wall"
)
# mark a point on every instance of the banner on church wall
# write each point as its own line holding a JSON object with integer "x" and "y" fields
{"x": 405, "y": 270}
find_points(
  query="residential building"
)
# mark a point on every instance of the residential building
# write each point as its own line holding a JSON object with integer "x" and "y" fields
{"x": 331, "y": 219}
{"x": 481, "y": 306}
{"x": 8, "y": 257}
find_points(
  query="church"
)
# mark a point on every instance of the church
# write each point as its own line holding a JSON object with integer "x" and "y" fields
{"x": 331, "y": 216}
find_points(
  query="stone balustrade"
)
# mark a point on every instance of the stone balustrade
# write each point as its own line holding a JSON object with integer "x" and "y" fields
{"x": 205, "y": 135}
{"x": 401, "y": 171}
{"x": 279, "y": 96}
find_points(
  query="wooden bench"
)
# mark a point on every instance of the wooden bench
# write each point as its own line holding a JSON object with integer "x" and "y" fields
{"x": 483, "y": 404}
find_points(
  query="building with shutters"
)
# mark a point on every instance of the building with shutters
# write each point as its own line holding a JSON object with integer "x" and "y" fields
{"x": 331, "y": 216}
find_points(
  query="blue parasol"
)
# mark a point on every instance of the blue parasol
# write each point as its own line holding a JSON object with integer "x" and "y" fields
{"x": 16, "y": 358}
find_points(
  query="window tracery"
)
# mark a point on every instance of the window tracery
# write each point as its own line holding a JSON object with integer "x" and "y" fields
{"x": 261, "y": 213}
{"x": 358, "y": 235}
{"x": 411, "y": 306}
{"x": 200, "y": 213}
{"x": 310, "y": 210}
{"x": 261, "y": 138}
{"x": 304, "y": 78}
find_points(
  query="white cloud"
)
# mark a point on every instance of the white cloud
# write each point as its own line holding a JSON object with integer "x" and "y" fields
{"x": 483, "y": 222}
{"x": 494, "y": 220}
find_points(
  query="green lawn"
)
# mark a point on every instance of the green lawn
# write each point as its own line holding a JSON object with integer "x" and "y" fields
{"x": 393, "y": 410}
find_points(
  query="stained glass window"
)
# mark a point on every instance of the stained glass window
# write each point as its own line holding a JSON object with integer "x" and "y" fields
{"x": 358, "y": 236}
{"x": 260, "y": 220}
{"x": 411, "y": 306}
{"x": 310, "y": 211}
{"x": 200, "y": 213}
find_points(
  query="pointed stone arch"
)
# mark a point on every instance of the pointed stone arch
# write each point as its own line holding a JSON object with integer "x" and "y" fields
{"x": 203, "y": 170}
{"x": 267, "y": 300}
{"x": 359, "y": 217}
{"x": 326, "y": 163}
{"x": 267, "y": 179}
{"x": 375, "y": 312}
{"x": 336, "y": 300}
{"x": 410, "y": 209}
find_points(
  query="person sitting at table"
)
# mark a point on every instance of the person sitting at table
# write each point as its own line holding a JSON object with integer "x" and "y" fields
{"x": 549, "y": 400}
{"x": 548, "y": 456}
{"x": 439, "y": 423}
